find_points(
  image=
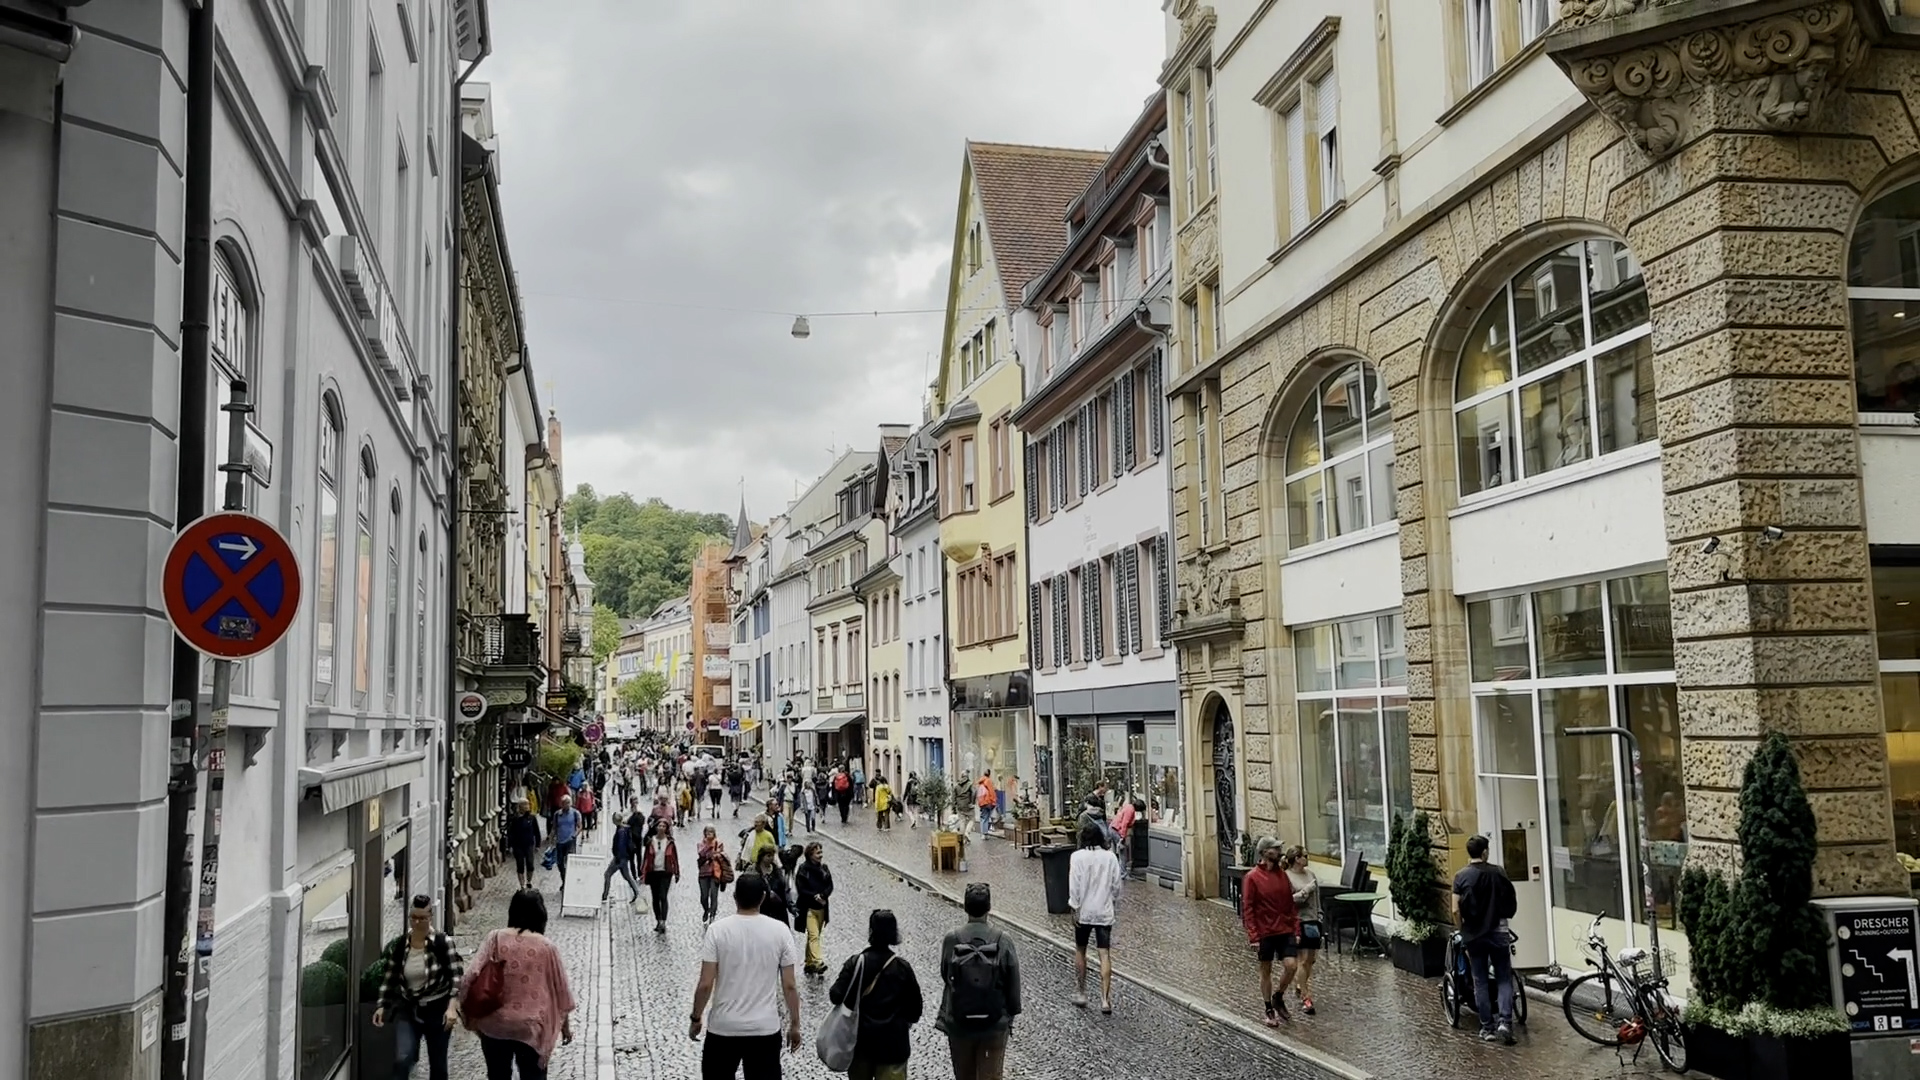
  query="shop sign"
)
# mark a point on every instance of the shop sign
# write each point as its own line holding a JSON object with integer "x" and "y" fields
{"x": 1113, "y": 744}
{"x": 1879, "y": 981}
{"x": 1163, "y": 745}
{"x": 715, "y": 666}
{"x": 933, "y": 721}
{"x": 880, "y": 734}
{"x": 516, "y": 757}
{"x": 557, "y": 700}
{"x": 471, "y": 705}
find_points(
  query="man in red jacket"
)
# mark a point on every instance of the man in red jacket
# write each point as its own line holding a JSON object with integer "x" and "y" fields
{"x": 1273, "y": 925}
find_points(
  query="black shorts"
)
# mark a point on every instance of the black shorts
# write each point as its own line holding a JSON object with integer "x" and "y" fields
{"x": 1102, "y": 936}
{"x": 1278, "y": 947}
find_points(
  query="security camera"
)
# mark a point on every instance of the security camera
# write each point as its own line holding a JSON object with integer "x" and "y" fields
{"x": 1712, "y": 545}
{"x": 1772, "y": 534}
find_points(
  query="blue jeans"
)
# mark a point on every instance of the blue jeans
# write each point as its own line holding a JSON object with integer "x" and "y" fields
{"x": 1497, "y": 953}
{"x": 986, "y": 819}
{"x": 408, "y": 1034}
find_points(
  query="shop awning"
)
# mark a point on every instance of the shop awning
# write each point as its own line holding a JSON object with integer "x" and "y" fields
{"x": 828, "y": 722}
{"x": 357, "y": 781}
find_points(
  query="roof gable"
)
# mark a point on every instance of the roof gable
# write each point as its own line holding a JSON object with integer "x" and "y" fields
{"x": 1024, "y": 192}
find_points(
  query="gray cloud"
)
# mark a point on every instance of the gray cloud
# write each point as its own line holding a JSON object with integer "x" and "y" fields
{"x": 765, "y": 154}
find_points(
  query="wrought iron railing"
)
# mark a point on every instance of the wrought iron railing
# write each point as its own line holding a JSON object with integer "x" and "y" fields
{"x": 500, "y": 640}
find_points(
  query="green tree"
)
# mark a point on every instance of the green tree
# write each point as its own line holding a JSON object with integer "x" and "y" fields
{"x": 1413, "y": 879}
{"x": 606, "y": 633}
{"x": 642, "y": 693}
{"x": 639, "y": 554}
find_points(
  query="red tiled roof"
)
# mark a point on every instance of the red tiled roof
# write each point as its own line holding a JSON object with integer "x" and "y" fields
{"x": 1025, "y": 191}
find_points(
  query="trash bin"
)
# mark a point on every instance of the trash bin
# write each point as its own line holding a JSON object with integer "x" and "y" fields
{"x": 1056, "y": 862}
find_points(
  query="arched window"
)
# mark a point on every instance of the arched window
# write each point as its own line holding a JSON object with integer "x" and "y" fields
{"x": 363, "y": 581}
{"x": 420, "y": 628}
{"x": 1883, "y": 290}
{"x": 326, "y": 589}
{"x": 1340, "y": 458}
{"x": 1564, "y": 356}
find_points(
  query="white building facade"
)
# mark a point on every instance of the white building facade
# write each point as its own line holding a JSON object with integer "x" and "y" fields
{"x": 327, "y": 291}
{"x": 668, "y": 634}
{"x": 1098, "y": 517}
{"x": 914, "y": 519}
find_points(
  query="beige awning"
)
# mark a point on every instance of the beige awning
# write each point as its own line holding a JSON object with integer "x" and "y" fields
{"x": 353, "y": 782}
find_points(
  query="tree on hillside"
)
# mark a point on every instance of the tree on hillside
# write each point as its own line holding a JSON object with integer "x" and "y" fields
{"x": 638, "y": 554}
{"x": 606, "y": 632}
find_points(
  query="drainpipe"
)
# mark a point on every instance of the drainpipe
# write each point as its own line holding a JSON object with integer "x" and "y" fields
{"x": 454, "y": 509}
{"x": 190, "y": 502}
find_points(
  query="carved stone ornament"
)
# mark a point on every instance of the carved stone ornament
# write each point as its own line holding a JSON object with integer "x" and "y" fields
{"x": 1193, "y": 16}
{"x": 1206, "y": 589}
{"x": 1200, "y": 244}
{"x": 1777, "y": 70}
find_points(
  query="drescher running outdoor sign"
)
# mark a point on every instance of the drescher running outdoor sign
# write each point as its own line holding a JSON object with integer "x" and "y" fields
{"x": 231, "y": 586}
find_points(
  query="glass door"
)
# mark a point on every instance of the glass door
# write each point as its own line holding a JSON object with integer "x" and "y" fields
{"x": 1510, "y": 815}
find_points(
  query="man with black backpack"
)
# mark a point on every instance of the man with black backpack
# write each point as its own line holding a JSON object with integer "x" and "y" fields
{"x": 980, "y": 991}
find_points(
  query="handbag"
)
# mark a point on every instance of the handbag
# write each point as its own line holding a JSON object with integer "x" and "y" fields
{"x": 487, "y": 991}
{"x": 840, "y": 1031}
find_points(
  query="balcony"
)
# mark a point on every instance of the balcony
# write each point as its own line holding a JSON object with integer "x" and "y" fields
{"x": 500, "y": 641}
{"x": 572, "y": 643}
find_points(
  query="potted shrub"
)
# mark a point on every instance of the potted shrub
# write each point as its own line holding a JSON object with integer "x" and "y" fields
{"x": 1761, "y": 1004}
{"x": 1419, "y": 940}
{"x": 940, "y": 799}
{"x": 375, "y": 1044}
{"x": 1026, "y": 822}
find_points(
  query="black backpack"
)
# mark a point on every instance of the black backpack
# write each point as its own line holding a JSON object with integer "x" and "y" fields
{"x": 973, "y": 983}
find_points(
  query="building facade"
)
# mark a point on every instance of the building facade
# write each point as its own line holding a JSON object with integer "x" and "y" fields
{"x": 879, "y": 590}
{"x": 709, "y": 597}
{"x": 839, "y": 556}
{"x": 914, "y": 522}
{"x": 1508, "y": 401}
{"x": 668, "y": 639}
{"x": 1007, "y": 230}
{"x": 751, "y": 571}
{"x": 325, "y": 289}
{"x": 1098, "y": 524}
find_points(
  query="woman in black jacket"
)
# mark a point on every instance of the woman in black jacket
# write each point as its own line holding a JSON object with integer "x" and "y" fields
{"x": 889, "y": 1000}
{"x": 813, "y": 882}
{"x": 777, "y": 905}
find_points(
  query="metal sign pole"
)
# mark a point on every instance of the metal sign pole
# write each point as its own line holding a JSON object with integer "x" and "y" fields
{"x": 214, "y": 745}
{"x": 1646, "y": 856}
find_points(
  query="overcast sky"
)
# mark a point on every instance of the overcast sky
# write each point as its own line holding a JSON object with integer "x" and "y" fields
{"x": 664, "y": 157}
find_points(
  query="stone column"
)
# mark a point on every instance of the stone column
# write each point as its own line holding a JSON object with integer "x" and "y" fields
{"x": 1738, "y": 203}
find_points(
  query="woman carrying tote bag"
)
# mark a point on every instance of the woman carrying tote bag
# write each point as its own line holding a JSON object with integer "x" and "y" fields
{"x": 879, "y": 1002}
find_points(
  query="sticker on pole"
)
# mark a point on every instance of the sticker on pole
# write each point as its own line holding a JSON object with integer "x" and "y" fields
{"x": 231, "y": 586}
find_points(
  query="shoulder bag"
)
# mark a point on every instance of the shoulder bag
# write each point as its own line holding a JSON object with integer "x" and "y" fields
{"x": 487, "y": 991}
{"x": 840, "y": 1031}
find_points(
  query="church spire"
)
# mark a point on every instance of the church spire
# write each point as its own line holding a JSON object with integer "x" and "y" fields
{"x": 742, "y": 532}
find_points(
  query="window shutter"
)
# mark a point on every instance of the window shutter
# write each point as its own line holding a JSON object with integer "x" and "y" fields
{"x": 1128, "y": 415}
{"x": 1163, "y": 585}
{"x": 1061, "y": 604}
{"x": 1293, "y": 130}
{"x": 1099, "y": 612}
{"x": 1086, "y": 613}
{"x": 1156, "y": 404}
{"x": 1326, "y": 100}
{"x": 1034, "y": 623}
{"x": 1133, "y": 641}
{"x": 1033, "y": 482}
{"x": 1110, "y": 407}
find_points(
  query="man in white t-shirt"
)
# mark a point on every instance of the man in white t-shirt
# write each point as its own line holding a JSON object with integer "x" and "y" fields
{"x": 746, "y": 966}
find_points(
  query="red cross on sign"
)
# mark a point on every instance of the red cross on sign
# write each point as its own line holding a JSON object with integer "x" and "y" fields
{"x": 231, "y": 586}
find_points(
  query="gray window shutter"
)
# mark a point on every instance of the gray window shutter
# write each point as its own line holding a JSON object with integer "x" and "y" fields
{"x": 1086, "y": 612}
{"x": 1128, "y": 412}
{"x": 1130, "y": 638}
{"x": 1061, "y": 604}
{"x": 1157, "y": 404}
{"x": 1099, "y": 621}
{"x": 1033, "y": 482}
{"x": 1163, "y": 585}
{"x": 1034, "y": 624}
{"x": 1115, "y": 443}
{"x": 1083, "y": 432}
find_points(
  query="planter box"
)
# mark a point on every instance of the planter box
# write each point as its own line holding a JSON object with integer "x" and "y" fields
{"x": 1713, "y": 1052}
{"x": 1426, "y": 959}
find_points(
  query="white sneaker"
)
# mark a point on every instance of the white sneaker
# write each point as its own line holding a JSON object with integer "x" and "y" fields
{"x": 1079, "y": 999}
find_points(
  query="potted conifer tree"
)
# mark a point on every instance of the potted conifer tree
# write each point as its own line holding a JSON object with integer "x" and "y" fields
{"x": 1762, "y": 1000}
{"x": 1419, "y": 941}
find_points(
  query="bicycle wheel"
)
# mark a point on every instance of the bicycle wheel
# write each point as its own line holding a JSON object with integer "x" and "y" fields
{"x": 1519, "y": 999}
{"x": 1450, "y": 999}
{"x": 1664, "y": 1027}
{"x": 1596, "y": 1004}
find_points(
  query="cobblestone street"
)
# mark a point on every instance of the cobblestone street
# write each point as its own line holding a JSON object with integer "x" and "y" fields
{"x": 653, "y": 979}
{"x": 1371, "y": 1019}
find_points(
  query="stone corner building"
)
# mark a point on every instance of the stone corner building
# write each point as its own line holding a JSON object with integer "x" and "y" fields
{"x": 1554, "y": 378}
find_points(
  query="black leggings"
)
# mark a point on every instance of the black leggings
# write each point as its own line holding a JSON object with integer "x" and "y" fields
{"x": 524, "y": 861}
{"x": 709, "y": 896}
{"x": 658, "y": 882}
{"x": 502, "y": 1055}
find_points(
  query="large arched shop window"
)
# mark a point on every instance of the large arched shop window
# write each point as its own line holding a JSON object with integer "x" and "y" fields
{"x": 1562, "y": 356}
{"x": 1340, "y": 458}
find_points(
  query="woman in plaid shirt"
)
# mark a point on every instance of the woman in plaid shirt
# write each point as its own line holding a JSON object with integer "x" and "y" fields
{"x": 417, "y": 995}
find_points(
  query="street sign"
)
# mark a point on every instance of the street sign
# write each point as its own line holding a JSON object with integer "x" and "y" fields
{"x": 231, "y": 586}
{"x": 471, "y": 705}
{"x": 731, "y": 723}
{"x": 516, "y": 757}
{"x": 1879, "y": 971}
{"x": 596, "y": 731}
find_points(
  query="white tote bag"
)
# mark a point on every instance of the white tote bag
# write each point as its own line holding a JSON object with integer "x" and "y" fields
{"x": 841, "y": 1029}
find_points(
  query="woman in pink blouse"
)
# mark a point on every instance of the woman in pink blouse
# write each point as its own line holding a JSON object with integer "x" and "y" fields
{"x": 535, "y": 1012}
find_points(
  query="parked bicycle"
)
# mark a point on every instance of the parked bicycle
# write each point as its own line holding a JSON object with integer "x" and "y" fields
{"x": 1456, "y": 989}
{"x": 1619, "y": 1005}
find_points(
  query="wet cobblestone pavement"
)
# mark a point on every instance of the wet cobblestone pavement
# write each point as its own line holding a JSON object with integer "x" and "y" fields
{"x": 654, "y": 975}
{"x": 1372, "y": 1020}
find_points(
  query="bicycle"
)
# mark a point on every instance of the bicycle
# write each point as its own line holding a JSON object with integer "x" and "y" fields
{"x": 1456, "y": 986}
{"x": 1617, "y": 1006}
